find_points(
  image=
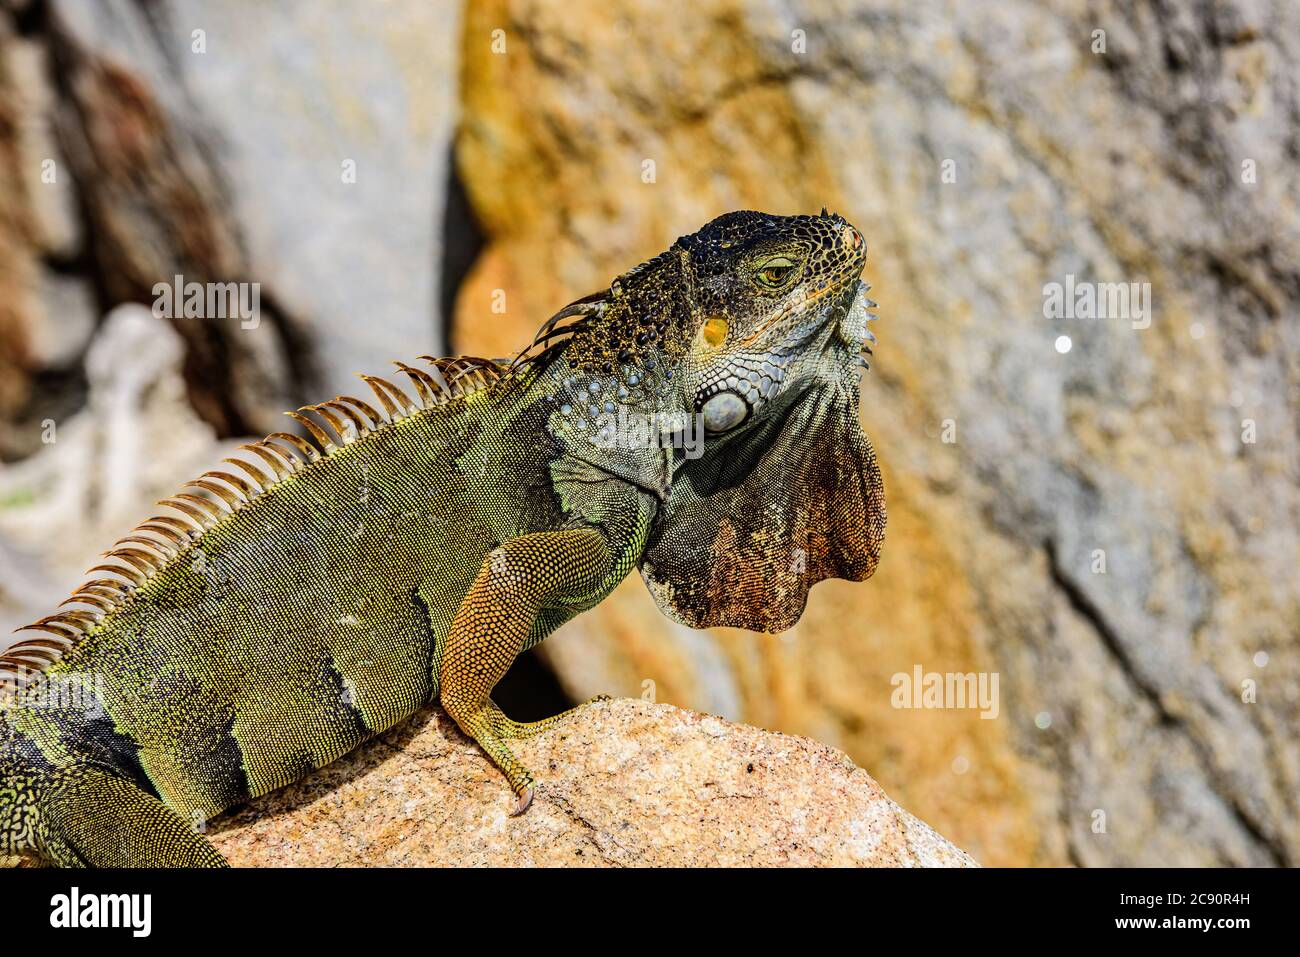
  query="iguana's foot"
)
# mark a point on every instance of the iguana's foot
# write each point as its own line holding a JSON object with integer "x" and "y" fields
{"x": 490, "y": 727}
{"x": 517, "y": 730}
{"x": 508, "y": 729}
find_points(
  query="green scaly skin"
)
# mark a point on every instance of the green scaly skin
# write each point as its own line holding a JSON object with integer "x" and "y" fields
{"x": 275, "y": 622}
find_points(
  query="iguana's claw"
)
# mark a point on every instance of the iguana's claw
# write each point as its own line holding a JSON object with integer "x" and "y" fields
{"x": 522, "y": 805}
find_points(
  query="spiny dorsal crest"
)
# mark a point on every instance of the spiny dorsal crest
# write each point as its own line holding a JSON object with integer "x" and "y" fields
{"x": 216, "y": 494}
{"x": 626, "y": 324}
{"x": 556, "y": 332}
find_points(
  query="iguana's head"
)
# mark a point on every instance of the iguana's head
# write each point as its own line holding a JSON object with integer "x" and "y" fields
{"x": 770, "y": 296}
{"x": 787, "y": 491}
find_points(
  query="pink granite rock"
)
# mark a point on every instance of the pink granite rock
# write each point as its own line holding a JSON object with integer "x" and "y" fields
{"x": 624, "y": 782}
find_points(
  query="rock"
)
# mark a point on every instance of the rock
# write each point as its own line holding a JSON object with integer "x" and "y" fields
{"x": 47, "y": 309}
{"x": 19, "y": 257}
{"x": 62, "y": 321}
{"x": 48, "y": 182}
{"x": 356, "y": 256}
{"x": 1111, "y": 530}
{"x": 326, "y": 185}
{"x": 623, "y": 783}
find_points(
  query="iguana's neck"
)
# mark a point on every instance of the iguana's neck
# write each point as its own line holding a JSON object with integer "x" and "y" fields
{"x": 641, "y": 332}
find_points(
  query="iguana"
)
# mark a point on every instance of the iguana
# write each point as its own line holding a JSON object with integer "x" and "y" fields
{"x": 312, "y": 594}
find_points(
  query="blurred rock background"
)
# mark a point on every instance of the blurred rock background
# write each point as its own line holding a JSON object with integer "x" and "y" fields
{"x": 389, "y": 172}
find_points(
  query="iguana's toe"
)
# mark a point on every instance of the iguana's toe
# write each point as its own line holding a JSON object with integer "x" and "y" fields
{"x": 525, "y": 800}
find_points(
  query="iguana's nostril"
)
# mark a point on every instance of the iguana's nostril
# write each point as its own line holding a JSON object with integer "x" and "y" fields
{"x": 850, "y": 237}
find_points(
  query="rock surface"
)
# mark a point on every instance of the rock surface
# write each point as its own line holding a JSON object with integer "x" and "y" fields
{"x": 624, "y": 783}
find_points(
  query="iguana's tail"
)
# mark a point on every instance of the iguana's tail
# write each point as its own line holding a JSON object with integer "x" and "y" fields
{"x": 81, "y": 815}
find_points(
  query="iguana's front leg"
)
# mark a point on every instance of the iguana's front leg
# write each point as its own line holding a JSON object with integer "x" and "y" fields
{"x": 493, "y": 625}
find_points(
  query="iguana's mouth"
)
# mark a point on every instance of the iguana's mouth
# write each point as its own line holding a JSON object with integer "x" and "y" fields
{"x": 809, "y": 303}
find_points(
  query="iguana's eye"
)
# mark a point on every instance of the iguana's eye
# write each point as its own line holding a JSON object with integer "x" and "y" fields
{"x": 714, "y": 331}
{"x": 774, "y": 272}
